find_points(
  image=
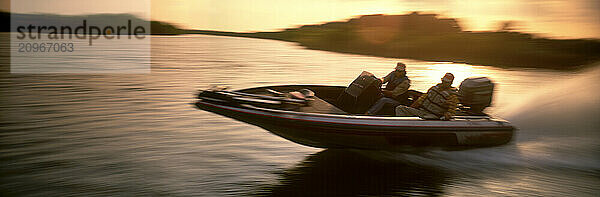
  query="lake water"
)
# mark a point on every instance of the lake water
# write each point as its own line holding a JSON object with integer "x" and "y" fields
{"x": 139, "y": 134}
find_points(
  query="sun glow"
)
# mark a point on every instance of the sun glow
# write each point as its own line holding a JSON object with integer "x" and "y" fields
{"x": 560, "y": 18}
{"x": 267, "y": 15}
{"x": 434, "y": 72}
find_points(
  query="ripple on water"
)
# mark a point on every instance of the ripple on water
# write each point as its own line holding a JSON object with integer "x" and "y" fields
{"x": 140, "y": 135}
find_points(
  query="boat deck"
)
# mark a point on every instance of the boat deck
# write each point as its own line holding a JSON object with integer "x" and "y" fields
{"x": 320, "y": 106}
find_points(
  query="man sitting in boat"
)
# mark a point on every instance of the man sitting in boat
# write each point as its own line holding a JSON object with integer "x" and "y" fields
{"x": 440, "y": 102}
{"x": 395, "y": 92}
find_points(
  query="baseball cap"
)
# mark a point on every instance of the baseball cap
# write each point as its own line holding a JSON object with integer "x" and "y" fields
{"x": 400, "y": 66}
{"x": 448, "y": 77}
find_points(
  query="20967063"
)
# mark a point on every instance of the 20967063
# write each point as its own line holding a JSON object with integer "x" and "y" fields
{"x": 46, "y": 47}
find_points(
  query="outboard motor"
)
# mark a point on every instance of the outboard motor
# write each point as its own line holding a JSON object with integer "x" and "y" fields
{"x": 361, "y": 94}
{"x": 475, "y": 94}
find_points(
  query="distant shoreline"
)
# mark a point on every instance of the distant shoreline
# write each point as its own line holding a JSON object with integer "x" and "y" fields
{"x": 412, "y": 36}
{"x": 475, "y": 61}
{"x": 428, "y": 38}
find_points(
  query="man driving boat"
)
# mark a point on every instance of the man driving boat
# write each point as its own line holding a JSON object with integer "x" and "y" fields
{"x": 395, "y": 92}
{"x": 440, "y": 102}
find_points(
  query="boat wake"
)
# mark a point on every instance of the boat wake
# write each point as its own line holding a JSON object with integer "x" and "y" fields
{"x": 558, "y": 128}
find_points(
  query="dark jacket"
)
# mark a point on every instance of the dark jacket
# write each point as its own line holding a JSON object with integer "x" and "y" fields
{"x": 397, "y": 85}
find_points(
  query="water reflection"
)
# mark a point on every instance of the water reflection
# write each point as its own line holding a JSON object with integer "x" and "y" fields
{"x": 138, "y": 135}
{"x": 347, "y": 173}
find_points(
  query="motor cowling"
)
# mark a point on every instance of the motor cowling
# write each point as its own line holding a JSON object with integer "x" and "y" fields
{"x": 476, "y": 94}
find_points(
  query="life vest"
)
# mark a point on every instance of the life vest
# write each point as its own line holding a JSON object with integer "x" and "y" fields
{"x": 436, "y": 100}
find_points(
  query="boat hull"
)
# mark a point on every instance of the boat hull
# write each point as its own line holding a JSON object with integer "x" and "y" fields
{"x": 364, "y": 132}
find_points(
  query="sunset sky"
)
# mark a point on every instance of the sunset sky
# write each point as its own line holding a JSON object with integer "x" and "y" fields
{"x": 559, "y": 18}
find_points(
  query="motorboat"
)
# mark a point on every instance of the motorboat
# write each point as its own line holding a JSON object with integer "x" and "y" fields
{"x": 319, "y": 120}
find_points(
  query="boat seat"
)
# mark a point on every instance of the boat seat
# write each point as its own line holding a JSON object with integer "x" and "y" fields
{"x": 320, "y": 106}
